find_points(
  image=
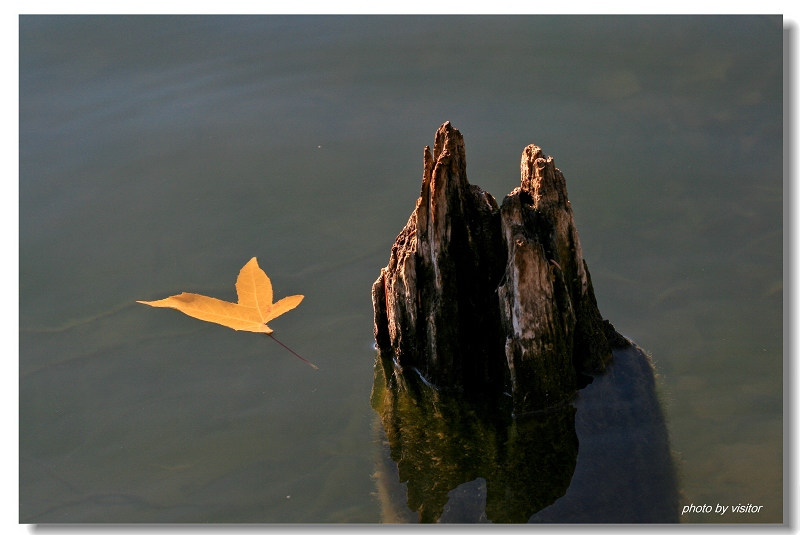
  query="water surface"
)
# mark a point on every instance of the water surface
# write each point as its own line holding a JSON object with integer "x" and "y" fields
{"x": 159, "y": 154}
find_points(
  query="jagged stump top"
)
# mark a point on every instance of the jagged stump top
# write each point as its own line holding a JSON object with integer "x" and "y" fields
{"x": 485, "y": 299}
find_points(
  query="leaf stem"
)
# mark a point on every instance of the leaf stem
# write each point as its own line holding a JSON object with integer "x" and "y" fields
{"x": 292, "y": 352}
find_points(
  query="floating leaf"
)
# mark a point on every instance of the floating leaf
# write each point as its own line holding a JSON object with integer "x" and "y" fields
{"x": 254, "y": 309}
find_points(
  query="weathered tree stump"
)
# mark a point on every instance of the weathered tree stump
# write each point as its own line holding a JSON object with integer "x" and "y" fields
{"x": 484, "y": 299}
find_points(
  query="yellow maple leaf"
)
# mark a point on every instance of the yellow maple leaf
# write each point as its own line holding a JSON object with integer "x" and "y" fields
{"x": 254, "y": 309}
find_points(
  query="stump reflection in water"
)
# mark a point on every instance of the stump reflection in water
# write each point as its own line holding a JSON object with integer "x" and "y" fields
{"x": 466, "y": 460}
{"x": 441, "y": 440}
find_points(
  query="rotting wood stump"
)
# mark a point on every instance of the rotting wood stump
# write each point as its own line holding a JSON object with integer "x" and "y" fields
{"x": 486, "y": 299}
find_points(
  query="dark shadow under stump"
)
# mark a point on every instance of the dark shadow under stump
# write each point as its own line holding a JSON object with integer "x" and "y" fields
{"x": 602, "y": 458}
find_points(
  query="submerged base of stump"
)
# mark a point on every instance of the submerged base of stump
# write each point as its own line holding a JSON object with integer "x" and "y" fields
{"x": 490, "y": 300}
{"x": 445, "y": 457}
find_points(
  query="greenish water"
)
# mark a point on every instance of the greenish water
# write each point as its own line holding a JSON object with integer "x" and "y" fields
{"x": 159, "y": 154}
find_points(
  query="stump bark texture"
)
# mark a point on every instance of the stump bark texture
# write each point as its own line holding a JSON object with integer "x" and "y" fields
{"x": 481, "y": 298}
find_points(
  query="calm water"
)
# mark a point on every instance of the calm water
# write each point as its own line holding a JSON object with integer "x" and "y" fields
{"x": 159, "y": 154}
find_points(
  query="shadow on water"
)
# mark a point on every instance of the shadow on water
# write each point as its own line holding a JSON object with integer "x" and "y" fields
{"x": 603, "y": 458}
